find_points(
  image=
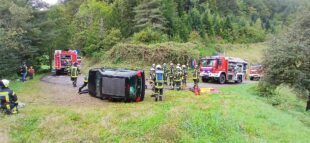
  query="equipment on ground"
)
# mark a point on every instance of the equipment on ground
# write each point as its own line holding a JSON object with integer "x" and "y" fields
{"x": 117, "y": 84}
{"x": 256, "y": 72}
{"x": 223, "y": 69}
{"x": 64, "y": 59}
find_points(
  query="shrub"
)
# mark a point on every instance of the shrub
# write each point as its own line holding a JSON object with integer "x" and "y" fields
{"x": 149, "y": 36}
{"x": 163, "y": 52}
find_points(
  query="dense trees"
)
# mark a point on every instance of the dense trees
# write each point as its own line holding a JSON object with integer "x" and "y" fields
{"x": 30, "y": 29}
{"x": 288, "y": 62}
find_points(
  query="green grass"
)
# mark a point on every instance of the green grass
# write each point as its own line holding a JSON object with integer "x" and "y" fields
{"x": 251, "y": 52}
{"x": 234, "y": 115}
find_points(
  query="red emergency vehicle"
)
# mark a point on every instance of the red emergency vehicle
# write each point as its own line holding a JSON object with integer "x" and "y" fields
{"x": 223, "y": 69}
{"x": 63, "y": 59}
{"x": 256, "y": 72}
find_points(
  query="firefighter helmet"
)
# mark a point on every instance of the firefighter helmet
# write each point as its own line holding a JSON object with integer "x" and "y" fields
{"x": 158, "y": 67}
{"x": 184, "y": 66}
{"x": 5, "y": 82}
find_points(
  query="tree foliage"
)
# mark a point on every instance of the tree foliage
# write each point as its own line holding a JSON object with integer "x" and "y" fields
{"x": 288, "y": 62}
{"x": 31, "y": 29}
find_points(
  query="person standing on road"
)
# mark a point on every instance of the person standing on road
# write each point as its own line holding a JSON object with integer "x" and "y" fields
{"x": 171, "y": 75}
{"x": 8, "y": 99}
{"x": 84, "y": 85}
{"x": 74, "y": 71}
{"x": 165, "y": 73}
{"x": 184, "y": 75}
{"x": 31, "y": 72}
{"x": 196, "y": 75}
{"x": 23, "y": 71}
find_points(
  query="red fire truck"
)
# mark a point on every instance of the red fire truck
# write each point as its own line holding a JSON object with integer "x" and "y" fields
{"x": 256, "y": 72}
{"x": 63, "y": 59}
{"x": 223, "y": 69}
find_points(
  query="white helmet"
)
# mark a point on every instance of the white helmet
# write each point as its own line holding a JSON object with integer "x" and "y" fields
{"x": 183, "y": 66}
{"x": 5, "y": 82}
{"x": 158, "y": 67}
{"x": 178, "y": 65}
{"x": 179, "y": 68}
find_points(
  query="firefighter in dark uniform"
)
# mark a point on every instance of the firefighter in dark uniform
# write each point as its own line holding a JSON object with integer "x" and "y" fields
{"x": 84, "y": 84}
{"x": 8, "y": 99}
{"x": 159, "y": 83}
{"x": 178, "y": 77}
{"x": 171, "y": 75}
{"x": 165, "y": 73}
{"x": 184, "y": 75}
{"x": 74, "y": 71}
{"x": 196, "y": 75}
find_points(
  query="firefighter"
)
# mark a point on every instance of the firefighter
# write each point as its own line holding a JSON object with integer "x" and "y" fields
{"x": 165, "y": 73}
{"x": 184, "y": 75}
{"x": 152, "y": 76}
{"x": 196, "y": 75}
{"x": 159, "y": 83}
{"x": 171, "y": 75}
{"x": 84, "y": 85}
{"x": 178, "y": 78}
{"x": 74, "y": 71}
{"x": 8, "y": 99}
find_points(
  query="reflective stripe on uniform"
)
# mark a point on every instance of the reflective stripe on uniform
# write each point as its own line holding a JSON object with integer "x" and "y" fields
{"x": 74, "y": 71}
{"x": 6, "y": 94}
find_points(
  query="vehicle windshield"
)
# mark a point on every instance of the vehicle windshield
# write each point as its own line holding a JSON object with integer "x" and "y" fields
{"x": 255, "y": 67}
{"x": 208, "y": 62}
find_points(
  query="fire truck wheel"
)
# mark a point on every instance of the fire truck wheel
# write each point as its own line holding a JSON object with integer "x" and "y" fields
{"x": 222, "y": 79}
{"x": 205, "y": 79}
{"x": 251, "y": 78}
{"x": 239, "y": 80}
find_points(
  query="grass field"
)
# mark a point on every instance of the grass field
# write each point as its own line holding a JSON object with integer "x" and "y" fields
{"x": 234, "y": 115}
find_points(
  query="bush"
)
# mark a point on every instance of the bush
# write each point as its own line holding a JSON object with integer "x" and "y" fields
{"x": 159, "y": 53}
{"x": 149, "y": 36}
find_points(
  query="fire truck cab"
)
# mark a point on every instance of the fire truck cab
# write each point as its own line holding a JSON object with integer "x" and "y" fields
{"x": 63, "y": 59}
{"x": 223, "y": 69}
{"x": 256, "y": 72}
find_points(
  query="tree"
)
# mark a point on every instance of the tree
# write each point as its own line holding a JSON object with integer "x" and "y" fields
{"x": 288, "y": 62}
{"x": 18, "y": 35}
{"x": 149, "y": 14}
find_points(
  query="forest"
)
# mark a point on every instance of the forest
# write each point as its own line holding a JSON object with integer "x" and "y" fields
{"x": 30, "y": 30}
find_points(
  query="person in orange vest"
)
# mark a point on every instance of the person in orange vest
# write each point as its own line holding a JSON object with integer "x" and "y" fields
{"x": 31, "y": 73}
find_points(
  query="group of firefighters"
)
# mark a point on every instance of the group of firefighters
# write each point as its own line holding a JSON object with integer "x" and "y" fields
{"x": 174, "y": 76}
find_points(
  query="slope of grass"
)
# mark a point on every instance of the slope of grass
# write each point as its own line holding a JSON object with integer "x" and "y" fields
{"x": 234, "y": 115}
{"x": 251, "y": 52}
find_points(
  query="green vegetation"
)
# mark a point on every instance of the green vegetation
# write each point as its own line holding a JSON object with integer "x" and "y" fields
{"x": 29, "y": 33}
{"x": 287, "y": 61}
{"x": 234, "y": 115}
